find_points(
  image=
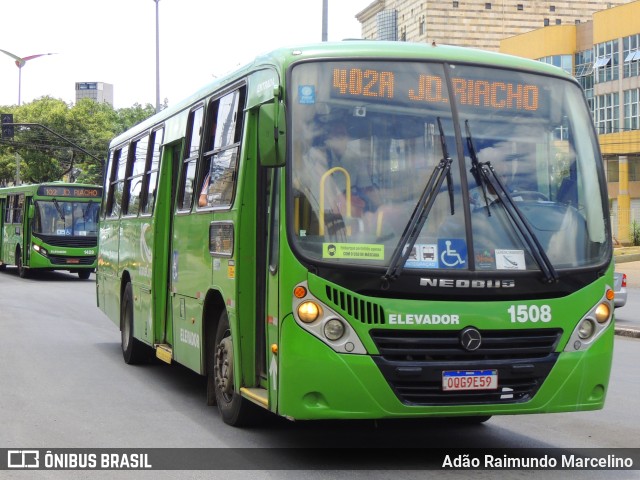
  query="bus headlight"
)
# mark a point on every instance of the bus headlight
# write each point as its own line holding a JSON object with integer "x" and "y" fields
{"x": 40, "y": 250}
{"x": 334, "y": 329}
{"x": 309, "y": 312}
{"x": 318, "y": 318}
{"x": 586, "y": 329}
{"x": 597, "y": 320}
{"x": 603, "y": 312}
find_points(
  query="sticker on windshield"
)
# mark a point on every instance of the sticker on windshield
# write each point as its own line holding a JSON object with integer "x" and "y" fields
{"x": 485, "y": 260}
{"x": 355, "y": 251}
{"x": 510, "y": 260}
{"x": 423, "y": 256}
{"x": 306, "y": 94}
{"x": 452, "y": 253}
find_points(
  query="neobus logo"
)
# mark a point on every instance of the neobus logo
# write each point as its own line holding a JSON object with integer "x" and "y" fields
{"x": 463, "y": 283}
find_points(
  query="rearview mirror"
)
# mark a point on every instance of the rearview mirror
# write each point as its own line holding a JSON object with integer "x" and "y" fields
{"x": 272, "y": 138}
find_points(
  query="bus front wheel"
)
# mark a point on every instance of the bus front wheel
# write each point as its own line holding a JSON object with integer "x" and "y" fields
{"x": 133, "y": 350}
{"x": 234, "y": 409}
{"x": 84, "y": 274}
{"x": 22, "y": 270}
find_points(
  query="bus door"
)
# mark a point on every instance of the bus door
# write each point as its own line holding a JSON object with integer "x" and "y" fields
{"x": 12, "y": 231}
{"x": 163, "y": 240}
{"x": 190, "y": 270}
{"x": 3, "y": 212}
{"x": 268, "y": 275}
{"x": 26, "y": 225}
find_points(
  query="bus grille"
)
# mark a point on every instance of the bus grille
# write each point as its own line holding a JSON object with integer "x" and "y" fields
{"x": 413, "y": 361}
{"x": 59, "y": 260}
{"x": 68, "y": 241}
{"x": 357, "y": 308}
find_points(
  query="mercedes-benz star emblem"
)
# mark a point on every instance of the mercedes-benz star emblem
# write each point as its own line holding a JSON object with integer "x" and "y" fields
{"x": 470, "y": 339}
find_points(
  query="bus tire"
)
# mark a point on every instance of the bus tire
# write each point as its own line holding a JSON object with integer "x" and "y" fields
{"x": 210, "y": 362}
{"x": 22, "y": 270}
{"x": 84, "y": 274}
{"x": 133, "y": 350}
{"x": 234, "y": 409}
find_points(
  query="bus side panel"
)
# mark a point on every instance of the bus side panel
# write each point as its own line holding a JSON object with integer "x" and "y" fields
{"x": 13, "y": 240}
{"x": 108, "y": 280}
{"x": 136, "y": 261}
{"x": 191, "y": 268}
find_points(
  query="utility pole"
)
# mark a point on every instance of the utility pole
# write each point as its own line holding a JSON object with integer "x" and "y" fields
{"x": 157, "y": 2}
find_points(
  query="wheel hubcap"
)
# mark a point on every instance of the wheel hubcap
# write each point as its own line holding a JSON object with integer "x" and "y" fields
{"x": 223, "y": 369}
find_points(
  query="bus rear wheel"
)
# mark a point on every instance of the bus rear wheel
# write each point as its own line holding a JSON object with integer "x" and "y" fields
{"x": 234, "y": 409}
{"x": 133, "y": 350}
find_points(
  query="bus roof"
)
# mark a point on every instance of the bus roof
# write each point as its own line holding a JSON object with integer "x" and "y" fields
{"x": 32, "y": 188}
{"x": 281, "y": 58}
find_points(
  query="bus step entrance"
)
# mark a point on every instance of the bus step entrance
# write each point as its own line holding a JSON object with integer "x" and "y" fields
{"x": 164, "y": 352}
{"x": 256, "y": 395}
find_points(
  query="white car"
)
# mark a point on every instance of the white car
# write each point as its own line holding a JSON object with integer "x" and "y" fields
{"x": 620, "y": 289}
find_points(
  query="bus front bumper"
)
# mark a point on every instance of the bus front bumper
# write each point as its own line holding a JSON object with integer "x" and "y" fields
{"x": 317, "y": 383}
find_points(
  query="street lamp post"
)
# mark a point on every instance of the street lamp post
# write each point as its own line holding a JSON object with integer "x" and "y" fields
{"x": 20, "y": 62}
{"x": 157, "y": 57}
{"x": 325, "y": 20}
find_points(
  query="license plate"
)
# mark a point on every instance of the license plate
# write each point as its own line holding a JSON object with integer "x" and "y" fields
{"x": 73, "y": 260}
{"x": 455, "y": 380}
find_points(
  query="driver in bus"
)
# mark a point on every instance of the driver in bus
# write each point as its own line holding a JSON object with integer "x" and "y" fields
{"x": 338, "y": 149}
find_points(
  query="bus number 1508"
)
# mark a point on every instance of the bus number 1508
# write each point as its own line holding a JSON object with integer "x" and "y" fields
{"x": 530, "y": 313}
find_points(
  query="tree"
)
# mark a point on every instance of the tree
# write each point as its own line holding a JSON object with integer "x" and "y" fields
{"x": 45, "y": 157}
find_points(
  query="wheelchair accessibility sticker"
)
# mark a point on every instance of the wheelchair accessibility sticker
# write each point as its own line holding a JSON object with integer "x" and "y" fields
{"x": 452, "y": 253}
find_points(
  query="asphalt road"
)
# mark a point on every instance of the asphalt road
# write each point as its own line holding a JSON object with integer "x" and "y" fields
{"x": 63, "y": 384}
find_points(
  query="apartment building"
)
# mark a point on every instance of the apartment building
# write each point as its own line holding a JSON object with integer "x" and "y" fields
{"x": 471, "y": 23}
{"x": 604, "y": 56}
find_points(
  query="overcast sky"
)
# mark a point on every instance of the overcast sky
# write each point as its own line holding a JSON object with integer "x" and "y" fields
{"x": 113, "y": 41}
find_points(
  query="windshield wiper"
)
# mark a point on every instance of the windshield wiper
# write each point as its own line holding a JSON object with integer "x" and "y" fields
{"x": 58, "y": 208}
{"x": 85, "y": 215}
{"x": 475, "y": 167}
{"x": 420, "y": 213}
{"x": 520, "y": 221}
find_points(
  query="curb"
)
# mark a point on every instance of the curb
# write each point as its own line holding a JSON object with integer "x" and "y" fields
{"x": 624, "y": 258}
{"x": 627, "y": 332}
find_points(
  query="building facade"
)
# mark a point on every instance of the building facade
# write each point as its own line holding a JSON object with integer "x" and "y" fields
{"x": 604, "y": 56}
{"x": 471, "y": 23}
{"x": 98, "y": 91}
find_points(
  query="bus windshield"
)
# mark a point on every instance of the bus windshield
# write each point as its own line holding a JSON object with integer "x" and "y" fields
{"x": 66, "y": 218}
{"x": 368, "y": 137}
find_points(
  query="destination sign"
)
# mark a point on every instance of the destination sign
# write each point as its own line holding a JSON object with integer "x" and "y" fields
{"x": 410, "y": 87}
{"x": 70, "y": 191}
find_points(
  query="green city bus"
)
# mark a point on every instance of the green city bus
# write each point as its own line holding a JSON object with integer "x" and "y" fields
{"x": 50, "y": 226}
{"x": 367, "y": 230}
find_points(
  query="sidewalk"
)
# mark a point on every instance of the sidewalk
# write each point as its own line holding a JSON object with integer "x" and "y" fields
{"x": 628, "y": 261}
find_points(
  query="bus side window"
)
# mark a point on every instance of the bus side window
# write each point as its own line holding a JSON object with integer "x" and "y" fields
{"x": 115, "y": 181}
{"x": 17, "y": 214}
{"x": 148, "y": 195}
{"x": 222, "y": 159}
{"x": 8, "y": 209}
{"x": 209, "y": 143}
{"x": 187, "y": 177}
{"x": 133, "y": 184}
